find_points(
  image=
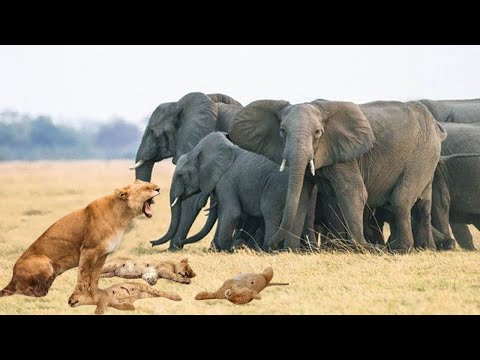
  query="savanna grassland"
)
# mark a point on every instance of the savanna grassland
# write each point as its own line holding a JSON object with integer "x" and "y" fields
{"x": 34, "y": 195}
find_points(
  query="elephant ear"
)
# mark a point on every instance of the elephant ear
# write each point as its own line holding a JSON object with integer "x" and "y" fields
{"x": 196, "y": 119}
{"x": 215, "y": 157}
{"x": 347, "y": 133}
{"x": 225, "y": 99}
{"x": 256, "y": 128}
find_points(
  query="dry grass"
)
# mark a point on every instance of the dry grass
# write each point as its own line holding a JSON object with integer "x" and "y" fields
{"x": 34, "y": 195}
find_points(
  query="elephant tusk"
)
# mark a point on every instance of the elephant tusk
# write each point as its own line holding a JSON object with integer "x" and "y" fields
{"x": 174, "y": 202}
{"x": 312, "y": 167}
{"x": 137, "y": 164}
{"x": 282, "y": 167}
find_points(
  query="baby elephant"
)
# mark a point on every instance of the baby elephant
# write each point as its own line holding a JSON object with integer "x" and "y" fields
{"x": 119, "y": 296}
{"x": 241, "y": 182}
{"x": 242, "y": 288}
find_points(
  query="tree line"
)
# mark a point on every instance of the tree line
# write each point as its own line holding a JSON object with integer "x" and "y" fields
{"x": 26, "y": 137}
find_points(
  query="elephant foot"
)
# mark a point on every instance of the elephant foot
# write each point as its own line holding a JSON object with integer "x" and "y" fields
{"x": 445, "y": 245}
{"x": 175, "y": 247}
{"x": 400, "y": 250}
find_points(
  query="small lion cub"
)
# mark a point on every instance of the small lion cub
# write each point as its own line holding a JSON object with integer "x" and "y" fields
{"x": 149, "y": 271}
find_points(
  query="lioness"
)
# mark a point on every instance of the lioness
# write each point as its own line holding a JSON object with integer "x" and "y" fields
{"x": 83, "y": 238}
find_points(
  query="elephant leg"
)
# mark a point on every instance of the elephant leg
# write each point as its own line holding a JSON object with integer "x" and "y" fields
{"x": 190, "y": 210}
{"x": 229, "y": 217}
{"x": 271, "y": 219}
{"x": 246, "y": 231}
{"x": 463, "y": 236}
{"x": 256, "y": 242}
{"x": 401, "y": 240}
{"x": 351, "y": 196}
{"x": 421, "y": 213}
{"x": 309, "y": 228}
{"x": 440, "y": 219}
{"x": 442, "y": 241}
{"x": 304, "y": 207}
{"x": 214, "y": 245}
{"x": 373, "y": 227}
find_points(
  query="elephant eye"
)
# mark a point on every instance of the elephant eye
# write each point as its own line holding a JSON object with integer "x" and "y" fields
{"x": 282, "y": 132}
{"x": 318, "y": 132}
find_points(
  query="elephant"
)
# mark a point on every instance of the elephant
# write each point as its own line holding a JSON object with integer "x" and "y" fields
{"x": 382, "y": 153}
{"x": 249, "y": 231}
{"x": 456, "y": 181}
{"x": 461, "y": 139}
{"x": 174, "y": 129}
{"x": 454, "y": 111}
{"x": 241, "y": 182}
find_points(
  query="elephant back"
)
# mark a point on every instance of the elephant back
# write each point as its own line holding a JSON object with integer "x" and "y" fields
{"x": 454, "y": 111}
{"x": 226, "y": 114}
{"x": 224, "y": 99}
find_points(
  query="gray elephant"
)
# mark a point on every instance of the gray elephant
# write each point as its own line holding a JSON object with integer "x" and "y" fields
{"x": 459, "y": 140}
{"x": 376, "y": 154}
{"x": 249, "y": 231}
{"x": 454, "y": 111}
{"x": 174, "y": 129}
{"x": 456, "y": 183}
{"x": 241, "y": 181}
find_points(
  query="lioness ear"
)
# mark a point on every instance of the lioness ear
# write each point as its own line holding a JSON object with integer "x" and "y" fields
{"x": 121, "y": 194}
{"x": 185, "y": 261}
{"x": 138, "y": 181}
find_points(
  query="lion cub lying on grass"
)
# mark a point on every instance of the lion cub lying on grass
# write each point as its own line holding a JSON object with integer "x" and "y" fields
{"x": 242, "y": 288}
{"x": 83, "y": 238}
{"x": 119, "y": 296}
{"x": 149, "y": 271}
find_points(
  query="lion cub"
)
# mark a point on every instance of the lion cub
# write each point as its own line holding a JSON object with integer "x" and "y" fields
{"x": 119, "y": 296}
{"x": 83, "y": 238}
{"x": 149, "y": 271}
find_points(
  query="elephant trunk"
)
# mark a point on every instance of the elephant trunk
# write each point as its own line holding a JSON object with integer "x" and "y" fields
{"x": 297, "y": 164}
{"x": 176, "y": 211}
{"x": 212, "y": 218}
{"x": 144, "y": 171}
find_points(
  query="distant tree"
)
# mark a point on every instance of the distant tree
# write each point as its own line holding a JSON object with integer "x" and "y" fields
{"x": 30, "y": 138}
{"x": 117, "y": 135}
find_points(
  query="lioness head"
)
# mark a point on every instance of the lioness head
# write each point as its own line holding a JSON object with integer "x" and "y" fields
{"x": 139, "y": 196}
{"x": 184, "y": 269}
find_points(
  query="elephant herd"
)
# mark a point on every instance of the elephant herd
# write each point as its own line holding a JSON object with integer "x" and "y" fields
{"x": 281, "y": 175}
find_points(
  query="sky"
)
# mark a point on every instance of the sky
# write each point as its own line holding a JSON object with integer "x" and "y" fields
{"x": 71, "y": 83}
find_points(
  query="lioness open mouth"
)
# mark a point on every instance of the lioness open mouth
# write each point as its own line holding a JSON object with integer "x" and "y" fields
{"x": 147, "y": 209}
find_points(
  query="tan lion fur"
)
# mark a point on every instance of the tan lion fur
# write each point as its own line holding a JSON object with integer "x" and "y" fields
{"x": 83, "y": 238}
{"x": 119, "y": 296}
{"x": 242, "y": 288}
{"x": 150, "y": 271}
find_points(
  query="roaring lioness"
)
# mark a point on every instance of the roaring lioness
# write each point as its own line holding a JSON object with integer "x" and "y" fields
{"x": 83, "y": 238}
